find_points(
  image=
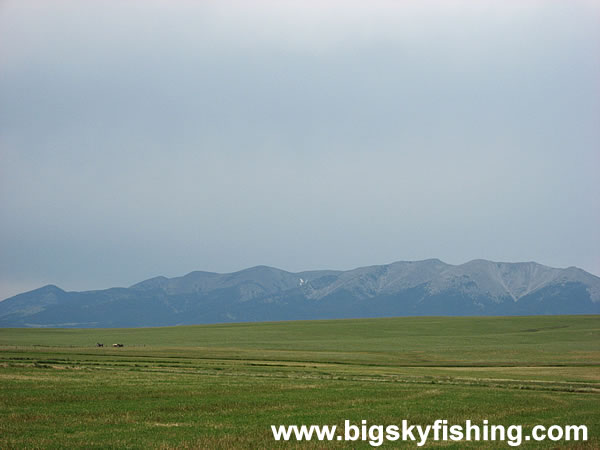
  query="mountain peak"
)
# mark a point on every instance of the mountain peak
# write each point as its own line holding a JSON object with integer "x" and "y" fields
{"x": 49, "y": 288}
{"x": 151, "y": 283}
{"x": 261, "y": 268}
{"x": 402, "y": 288}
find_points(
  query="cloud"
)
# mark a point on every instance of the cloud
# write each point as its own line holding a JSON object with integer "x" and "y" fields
{"x": 143, "y": 138}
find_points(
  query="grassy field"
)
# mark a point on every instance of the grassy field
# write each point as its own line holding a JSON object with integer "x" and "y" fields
{"x": 222, "y": 386}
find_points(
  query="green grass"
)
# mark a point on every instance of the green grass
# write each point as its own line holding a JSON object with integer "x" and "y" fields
{"x": 222, "y": 386}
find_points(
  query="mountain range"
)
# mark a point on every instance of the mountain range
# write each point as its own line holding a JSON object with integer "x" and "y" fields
{"x": 406, "y": 288}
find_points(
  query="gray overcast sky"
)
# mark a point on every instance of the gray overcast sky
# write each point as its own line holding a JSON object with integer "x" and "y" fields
{"x": 140, "y": 138}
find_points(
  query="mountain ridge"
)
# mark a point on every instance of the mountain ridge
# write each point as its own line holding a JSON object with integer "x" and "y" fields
{"x": 426, "y": 287}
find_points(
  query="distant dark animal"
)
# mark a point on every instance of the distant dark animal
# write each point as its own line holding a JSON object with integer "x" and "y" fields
{"x": 117, "y": 345}
{"x": 98, "y": 344}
